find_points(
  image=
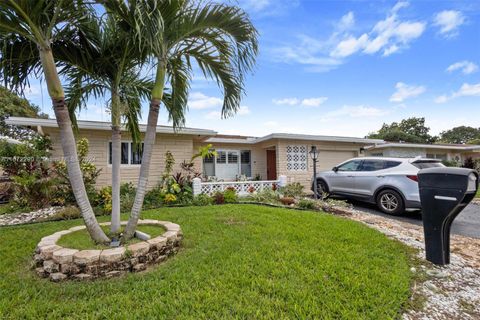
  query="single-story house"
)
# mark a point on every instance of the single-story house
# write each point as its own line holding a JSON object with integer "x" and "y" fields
{"x": 239, "y": 157}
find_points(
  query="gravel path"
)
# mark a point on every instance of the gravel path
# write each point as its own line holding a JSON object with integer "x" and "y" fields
{"x": 28, "y": 217}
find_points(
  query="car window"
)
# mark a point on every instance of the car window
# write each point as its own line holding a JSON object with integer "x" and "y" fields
{"x": 427, "y": 164}
{"x": 353, "y": 165}
{"x": 391, "y": 164}
{"x": 372, "y": 165}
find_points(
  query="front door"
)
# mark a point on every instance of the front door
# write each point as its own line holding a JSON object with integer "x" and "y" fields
{"x": 271, "y": 165}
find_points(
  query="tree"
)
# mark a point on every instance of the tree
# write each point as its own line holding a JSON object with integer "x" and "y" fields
{"x": 219, "y": 38}
{"x": 408, "y": 130}
{"x": 30, "y": 32}
{"x": 460, "y": 135}
{"x": 12, "y": 105}
{"x": 113, "y": 70}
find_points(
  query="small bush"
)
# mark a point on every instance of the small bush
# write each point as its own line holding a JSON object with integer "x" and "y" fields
{"x": 230, "y": 196}
{"x": 202, "y": 200}
{"x": 287, "y": 201}
{"x": 218, "y": 198}
{"x": 170, "y": 198}
{"x": 153, "y": 198}
{"x": 266, "y": 195}
{"x": 307, "y": 204}
{"x": 293, "y": 190}
{"x": 67, "y": 213}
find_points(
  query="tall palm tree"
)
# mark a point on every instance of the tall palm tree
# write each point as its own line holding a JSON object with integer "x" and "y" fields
{"x": 219, "y": 38}
{"x": 29, "y": 32}
{"x": 114, "y": 69}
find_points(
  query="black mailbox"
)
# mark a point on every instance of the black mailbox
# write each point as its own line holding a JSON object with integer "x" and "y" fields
{"x": 444, "y": 193}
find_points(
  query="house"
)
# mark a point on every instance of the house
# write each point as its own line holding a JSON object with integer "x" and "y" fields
{"x": 239, "y": 157}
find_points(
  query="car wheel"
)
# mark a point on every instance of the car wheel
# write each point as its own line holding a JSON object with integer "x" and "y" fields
{"x": 322, "y": 189}
{"x": 390, "y": 202}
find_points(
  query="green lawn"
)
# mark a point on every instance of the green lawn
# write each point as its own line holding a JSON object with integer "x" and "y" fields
{"x": 81, "y": 239}
{"x": 237, "y": 261}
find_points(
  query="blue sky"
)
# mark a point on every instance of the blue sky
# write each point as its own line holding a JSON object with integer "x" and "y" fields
{"x": 345, "y": 67}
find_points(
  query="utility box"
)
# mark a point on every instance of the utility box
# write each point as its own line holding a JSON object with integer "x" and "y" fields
{"x": 444, "y": 193}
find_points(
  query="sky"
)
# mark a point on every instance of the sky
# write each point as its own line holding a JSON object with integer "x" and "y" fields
{"x": 343, "y": 68}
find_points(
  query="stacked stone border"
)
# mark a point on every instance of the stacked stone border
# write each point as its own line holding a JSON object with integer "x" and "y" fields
{"x": 57, "y": 263}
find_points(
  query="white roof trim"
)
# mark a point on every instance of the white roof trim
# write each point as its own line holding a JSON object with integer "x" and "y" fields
{"x": 292, "y": 136}
{"x": 97, "y": 125}
{"x": 426, "y": 146}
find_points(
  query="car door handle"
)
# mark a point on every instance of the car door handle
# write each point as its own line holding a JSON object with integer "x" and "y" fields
{"x": 380, "y": 176}
{"x": 349, "y": 176}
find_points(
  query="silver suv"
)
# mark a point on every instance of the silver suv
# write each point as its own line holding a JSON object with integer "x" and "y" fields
{"x": 391, "y": 183}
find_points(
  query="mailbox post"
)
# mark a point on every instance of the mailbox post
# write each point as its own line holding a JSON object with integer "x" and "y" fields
{"x": 444, "y": 193}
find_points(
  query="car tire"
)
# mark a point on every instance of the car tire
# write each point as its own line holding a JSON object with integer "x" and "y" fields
{"x": 322, "y": 189}
{"x": 390, "y": 202}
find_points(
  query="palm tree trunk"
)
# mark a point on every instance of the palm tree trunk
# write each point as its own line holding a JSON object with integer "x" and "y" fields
{"x": 116, "y": 159}
{"x": 55, "y": 91}
{"x": 149, "y": 142}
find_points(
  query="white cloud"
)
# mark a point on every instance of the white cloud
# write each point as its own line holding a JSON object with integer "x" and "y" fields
{"x": 199, "y": 101}
{"x": 387, "y": 36}
{"x": 286, "y": 101}
{"x": 271, "y": 124}
{"x": 441, "y": 99}
{"x": 307, "y": 102}
{"x": 347, "y": 21}
{"x": 448, "y": 21}
{"x": 313, "y": 102}
{"x": 32, "y": 90}
{"x": 405, "y": 91}
{"x": 243, "y": 110}
{"x": 472, "y": 90}
{"x": 466, "y": 67}
{"x": 213, "y": 115}
{"x": 268, "y": 7}
{"x": 359, "y": 111}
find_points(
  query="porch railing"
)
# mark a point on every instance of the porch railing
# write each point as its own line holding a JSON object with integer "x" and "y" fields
{"x": 242, "y": 188}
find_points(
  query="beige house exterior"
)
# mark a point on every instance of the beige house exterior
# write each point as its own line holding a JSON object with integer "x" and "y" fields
{"x": 239, "y": 157}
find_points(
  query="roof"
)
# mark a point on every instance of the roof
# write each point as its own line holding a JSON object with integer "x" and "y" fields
{"x": 465, "y": 147}
{"x": 289, "y": 136}
{"x": 98, "y": 125}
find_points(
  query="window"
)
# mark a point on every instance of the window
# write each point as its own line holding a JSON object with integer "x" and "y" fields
{"x": 221, "y": 157}
{"x": 297, "y": 158}
{"x": 353, "y": 165}
{"x": 245, "y": 163}
{"x": 232, "y": 157}
{"x": 379, "y": 154}
{"x": 372, "y": 165}
{"x": 130, "y": 154}
{"x": 391, "y": 164}
{"x": 427, "y": 164}
{"x": 440, "y": 156}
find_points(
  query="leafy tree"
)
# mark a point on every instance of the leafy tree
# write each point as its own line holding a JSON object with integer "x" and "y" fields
{"x": 12, "y": 105}
{"x": 31, "y": 31}
{"x": 408, "y": 130}
{"x": 461, "y": 135}
{"x": 219, "y": 38}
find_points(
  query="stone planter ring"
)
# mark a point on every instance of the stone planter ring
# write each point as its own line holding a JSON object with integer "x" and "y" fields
{"x": 58, "y": 263}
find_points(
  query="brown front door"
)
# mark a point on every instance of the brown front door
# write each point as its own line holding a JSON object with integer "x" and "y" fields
{"x": 271, "y": 165}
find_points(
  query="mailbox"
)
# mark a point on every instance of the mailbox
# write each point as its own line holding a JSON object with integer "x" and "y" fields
{"x": 444, "y": 193}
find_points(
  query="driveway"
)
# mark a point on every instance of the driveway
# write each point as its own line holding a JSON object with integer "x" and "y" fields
{"x": 467, "y": 222}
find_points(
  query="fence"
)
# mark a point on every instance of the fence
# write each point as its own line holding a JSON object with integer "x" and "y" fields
{"x": 242, "y": 187}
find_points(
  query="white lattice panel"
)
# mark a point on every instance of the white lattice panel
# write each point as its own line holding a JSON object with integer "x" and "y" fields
{"x": 297, "y": 157}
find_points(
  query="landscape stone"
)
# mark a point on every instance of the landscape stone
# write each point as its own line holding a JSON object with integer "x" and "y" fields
{"x": 83, "y": 276}
{"x": 47, "y": 252}
{"x": 170, "y": 235}
{"x": 50, "y": 266}
{"x": 139, "y": 267}
{"x": 57, "y": 277}
{"x": 78, "y": 228}
{"x": 138, "y": 249}
{"x": 142, "y": 235}
{"x": 112, "y": 255}
{"x": 85, "y": 257}
{"x": 64, "y": 255}
{"x": 158, "y": 242}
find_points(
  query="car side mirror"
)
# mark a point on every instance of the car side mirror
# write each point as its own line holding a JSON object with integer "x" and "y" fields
{"x": 334, "y": 169}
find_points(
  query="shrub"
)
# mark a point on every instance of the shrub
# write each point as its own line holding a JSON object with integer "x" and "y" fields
{"x": 251, "y": 189}
{"x": 266, "y": 195}
{"x": 230, "y": 196}
{"x": 307, "y": 204}
{"x": 202, "y": 200}
{"x": 287, "y": 201}
{"x": 104, "y": 200}
{"x": 293, "y": 190}
{"x": 450, "y": 163}
{"x": 153, "y": 198}
{"x": 67, "y": 213}
{"x": 170, "y": 198}
{"x": 218, "y": 198}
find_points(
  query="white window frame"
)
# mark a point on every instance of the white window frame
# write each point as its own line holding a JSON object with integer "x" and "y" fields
{"x": 130, "y": 143}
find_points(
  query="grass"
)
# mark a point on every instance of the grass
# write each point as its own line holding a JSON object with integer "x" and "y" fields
{"x": 237, "y": 262}
{"x": 81, "y": 239}
{"x": 478, "y": 193}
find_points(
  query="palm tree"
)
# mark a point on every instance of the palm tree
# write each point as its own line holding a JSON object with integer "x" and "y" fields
{"x": 219, "y": 38}
{"x": 29, "y": 32}
{"x": 114, "y": 68}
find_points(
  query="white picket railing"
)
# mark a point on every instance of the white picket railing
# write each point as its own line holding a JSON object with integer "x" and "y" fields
{"x": 241, "y": 187}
